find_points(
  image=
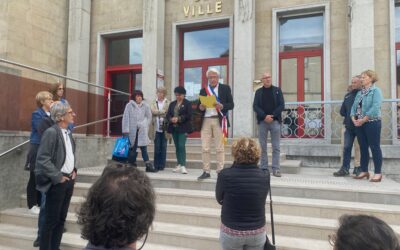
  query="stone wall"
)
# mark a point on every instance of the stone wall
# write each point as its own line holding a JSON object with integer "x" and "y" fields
{"x": 36, "y": 34}
{"x": 112, "y": 16}
{"x": 90, "y": 151}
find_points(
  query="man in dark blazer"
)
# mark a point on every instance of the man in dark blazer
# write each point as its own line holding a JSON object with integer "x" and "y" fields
{"x": 55, "y": 174}
{"x": 268, "y": 105}
{"x": 214, "y": 120}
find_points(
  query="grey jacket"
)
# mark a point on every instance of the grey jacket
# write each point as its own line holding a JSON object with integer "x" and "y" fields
{"x": 137, "y": 117}
{"x": 50, "y": 158}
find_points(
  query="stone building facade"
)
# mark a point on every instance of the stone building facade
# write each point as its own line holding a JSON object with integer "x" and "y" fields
{"x": 311, "y": 47}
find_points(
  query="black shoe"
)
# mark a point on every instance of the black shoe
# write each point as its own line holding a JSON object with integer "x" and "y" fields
{"x": 36, "y": 243}
{"x": 341, "y": 172}
{"x": 203, "y": 176}
{"x": 357, "y": 171}
{"x": 150, "y": 168}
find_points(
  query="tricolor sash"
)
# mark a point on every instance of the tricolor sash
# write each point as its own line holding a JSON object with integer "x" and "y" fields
{"x": 224, "y": 124}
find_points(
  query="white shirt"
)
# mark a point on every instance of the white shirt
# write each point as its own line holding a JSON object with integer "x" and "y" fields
{"x": 212, "y": 111}
{"x": 68, "y": 166}
{"x": 159, "y": 119}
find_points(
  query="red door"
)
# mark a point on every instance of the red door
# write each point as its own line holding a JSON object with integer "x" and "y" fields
{"x": 301, "y": 80}
{"x": 125, "y": 80}
{"x": 193, "y": 68}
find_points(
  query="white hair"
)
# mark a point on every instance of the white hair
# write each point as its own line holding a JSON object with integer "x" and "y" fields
{"x": 58, "y": 110}
{"x": 214, "y": 70}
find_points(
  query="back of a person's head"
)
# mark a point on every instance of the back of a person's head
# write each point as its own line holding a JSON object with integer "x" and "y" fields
{"x": 363, "y": 232}
{"x": 119, "y": 208}
{"x": 246, "y": 151}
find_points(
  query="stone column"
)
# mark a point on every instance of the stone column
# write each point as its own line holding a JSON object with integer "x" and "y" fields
{"x": 243, "y": 70}
{"x": 78, "y": 58}
{"x": 78, "y": 42}
{"x": 361, "y": 31}
{"x": 153, "y": 45}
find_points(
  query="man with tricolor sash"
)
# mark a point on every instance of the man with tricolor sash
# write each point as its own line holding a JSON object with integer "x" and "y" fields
{"x": 215, "y": 121}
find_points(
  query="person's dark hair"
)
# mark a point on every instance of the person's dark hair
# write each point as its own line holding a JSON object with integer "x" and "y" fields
{"x": 119, "y": 208}
{"x": 364, "y": 232}
{"x": 136, "y": 93}
{"x": 180, "y": 90}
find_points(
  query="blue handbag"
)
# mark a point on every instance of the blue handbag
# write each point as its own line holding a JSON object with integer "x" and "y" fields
{"x": 121, "y": 147}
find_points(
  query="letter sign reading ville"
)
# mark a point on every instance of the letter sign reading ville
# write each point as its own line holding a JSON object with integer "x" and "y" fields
{"x": 199, "y": 9}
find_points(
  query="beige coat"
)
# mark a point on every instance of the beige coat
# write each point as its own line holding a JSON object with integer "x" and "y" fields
{"x": 158, "y": 113}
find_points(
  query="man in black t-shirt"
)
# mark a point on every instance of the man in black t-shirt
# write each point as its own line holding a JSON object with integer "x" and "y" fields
{"x": 268, "y": 105}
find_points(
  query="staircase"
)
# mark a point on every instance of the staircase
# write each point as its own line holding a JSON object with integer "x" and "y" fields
{"x": 307, "y": 204}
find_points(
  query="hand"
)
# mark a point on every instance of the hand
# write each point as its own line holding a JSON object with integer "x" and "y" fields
{"x": 269, "y": 118}
{"x": 64, "y": 179}
{"x": 202, "y": 107}
{"x": 73, "y": 175}
{"x": 218, "y": 105}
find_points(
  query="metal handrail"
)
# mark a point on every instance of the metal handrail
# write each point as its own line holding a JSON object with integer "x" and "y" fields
{"x": 62, "y": 76}
{"x": 76, "y": 127}
{"x": 76, "y": 80}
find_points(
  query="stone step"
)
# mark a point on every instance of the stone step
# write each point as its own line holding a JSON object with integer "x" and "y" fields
{"x": 311, "y": 227}
{"x": 286, "y": 166}
{"x": 14, "y": 237}
{"x": 316, "y": 186}
{"x": 319, "y": 208}
{"x": 197, "y": 155}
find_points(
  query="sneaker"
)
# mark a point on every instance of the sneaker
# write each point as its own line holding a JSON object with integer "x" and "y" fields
{"x": 356, "y": 171}
{"x": 177, "y": 169}
{"x": 203, "y": 176}
{"x": 341, "y": 172}
{"x": 150, "y": 168}
{"x": 276, "y": 173}
{"x": 36, "y": 243}
{"x": 183, "y": 170}
{"x": 35, "y": 210}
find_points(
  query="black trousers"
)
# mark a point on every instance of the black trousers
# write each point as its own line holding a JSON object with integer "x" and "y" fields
{"x": 32, "y": 195}
{"x": 57, "y": 203}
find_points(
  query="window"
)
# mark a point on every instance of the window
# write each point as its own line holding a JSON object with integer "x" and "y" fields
{"x": 300, "y": 33}
{"x": 125, "y": 51}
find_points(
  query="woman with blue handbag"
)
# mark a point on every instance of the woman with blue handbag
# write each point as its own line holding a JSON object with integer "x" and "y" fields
{"x": 135, "y": 123}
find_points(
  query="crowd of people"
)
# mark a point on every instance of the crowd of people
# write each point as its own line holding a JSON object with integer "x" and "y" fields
{"x": 241, "y": 189}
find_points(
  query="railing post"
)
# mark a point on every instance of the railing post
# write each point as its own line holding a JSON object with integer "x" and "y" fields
{"x": 108, "y": 112}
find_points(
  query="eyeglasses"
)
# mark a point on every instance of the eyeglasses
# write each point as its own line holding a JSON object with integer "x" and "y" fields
{"x": 60, "y": 89}
{"x": 332, "y": 239}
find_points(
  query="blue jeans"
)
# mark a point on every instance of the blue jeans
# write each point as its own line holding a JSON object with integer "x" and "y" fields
{"x": 275, "y": 129}
{"x": 160, "y": 150}
{"x": 41, "y": 219}
{"x": 251, "y": 242}
{"x": 369, "y": 136}
{"x": 349, "y": 136}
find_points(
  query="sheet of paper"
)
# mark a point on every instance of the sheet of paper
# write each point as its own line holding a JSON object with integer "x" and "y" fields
{"x": 208, "y": 101}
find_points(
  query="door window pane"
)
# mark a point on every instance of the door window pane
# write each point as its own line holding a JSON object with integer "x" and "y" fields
{"x": 138, "y": 81}
{"x": 299, "y": 33}
{"x": 203, "y": 44}
{"x": 397, "y": 24}
{"x": 289, "y": 79}
{"x": 121, "y": 82}
{"x": 192, "y": 82}
{"x": 223, "y": 74}
{"x": 125, "y": 51}
{"x": 312, "y": 79}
